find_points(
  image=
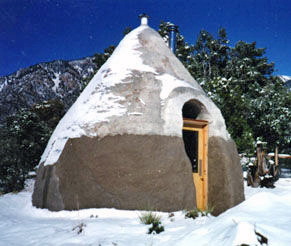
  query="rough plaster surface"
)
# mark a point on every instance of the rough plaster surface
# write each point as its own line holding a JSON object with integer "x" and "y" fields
{"x": 121, "y": 171}
{"x": 225, "y": 186}
{"x": 139, "y": 91}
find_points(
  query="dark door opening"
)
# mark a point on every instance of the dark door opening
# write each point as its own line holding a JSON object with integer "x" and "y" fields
{"x": 191, "y": 146}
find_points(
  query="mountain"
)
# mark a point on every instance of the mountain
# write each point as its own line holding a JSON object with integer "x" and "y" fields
{"x": 286, "y": 80}
{"x": 58, "y": 79}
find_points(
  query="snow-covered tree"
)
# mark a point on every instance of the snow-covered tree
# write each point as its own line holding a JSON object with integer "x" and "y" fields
{"x": 271, "y": 115}
{"x": 210, "y": 56}
{"x": 23, "y": 138}
{"x": 239, "y": 80}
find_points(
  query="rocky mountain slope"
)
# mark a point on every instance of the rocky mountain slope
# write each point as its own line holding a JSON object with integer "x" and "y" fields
{"x": 58, "y": 79}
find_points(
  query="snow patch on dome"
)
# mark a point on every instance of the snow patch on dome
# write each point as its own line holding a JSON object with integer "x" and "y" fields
{"x": 169, "y": 83}
{"x": 97, "y": 103}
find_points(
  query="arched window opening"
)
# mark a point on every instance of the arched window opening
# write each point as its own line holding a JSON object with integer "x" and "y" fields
{"x": 191, "y": 109}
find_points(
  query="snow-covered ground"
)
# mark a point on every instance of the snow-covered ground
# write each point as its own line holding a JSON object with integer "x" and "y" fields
{"x": 268, "y": 211}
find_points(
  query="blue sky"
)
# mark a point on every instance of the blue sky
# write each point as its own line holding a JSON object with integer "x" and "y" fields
{"x": 34, "y": 31}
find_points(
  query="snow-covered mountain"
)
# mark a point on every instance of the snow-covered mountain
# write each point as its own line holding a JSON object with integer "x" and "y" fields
{"x": 286, "y": 80}
{"x": 45, "y": 81}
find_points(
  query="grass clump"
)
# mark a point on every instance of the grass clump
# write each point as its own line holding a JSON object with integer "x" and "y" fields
{"x": 193, "y": 214}
{"x": 150, "y": 218}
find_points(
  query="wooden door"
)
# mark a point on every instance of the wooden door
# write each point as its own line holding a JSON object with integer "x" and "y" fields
{"x": 195, "y": 135}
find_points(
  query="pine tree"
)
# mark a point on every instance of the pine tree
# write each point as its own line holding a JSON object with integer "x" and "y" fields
{"x": 210, "y": 56}
{"x": 101, "y": 58}
{"x": 271, "y": 115}
{"x": 183, "y": 49}
{"x": 239, "y": 80}
{"x": 23, "y": 138}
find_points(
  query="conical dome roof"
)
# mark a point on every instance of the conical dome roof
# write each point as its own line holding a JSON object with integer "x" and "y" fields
{"x": 141, "y": 89}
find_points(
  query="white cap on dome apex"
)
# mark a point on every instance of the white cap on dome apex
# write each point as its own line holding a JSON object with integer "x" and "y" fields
{"x": 143, "y": 19}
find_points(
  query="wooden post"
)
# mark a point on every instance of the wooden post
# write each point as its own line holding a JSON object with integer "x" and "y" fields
{"x": 276, "y": 157}
{"x": 259, "y": 157}
{"x": 259, "y": 171}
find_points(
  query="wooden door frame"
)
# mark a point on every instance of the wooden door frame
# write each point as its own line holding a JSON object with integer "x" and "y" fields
{"x": 200, "y": 179}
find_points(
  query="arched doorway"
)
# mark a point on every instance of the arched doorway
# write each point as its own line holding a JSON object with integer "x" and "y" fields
{"x": 195, "y": 137}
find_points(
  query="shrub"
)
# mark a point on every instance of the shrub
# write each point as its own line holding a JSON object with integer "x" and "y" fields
{"x": 193, "y": 214}
{"x": 148, "y": 218}
{"x": 207, "y": 211}
{"x": 156, "y": 227}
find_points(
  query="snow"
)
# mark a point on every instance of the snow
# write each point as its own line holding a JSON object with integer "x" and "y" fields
{"x": 266, "y": 211}
{"x": 280, "y": 155}
{"x": 97, "y": 103}
{"x": 141, "y": 101}
{"x": 284, "y": 78}
{"x": 57, "y": 81}
{"x": 169, "y": 83}
{"x": 3, "y": 84}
